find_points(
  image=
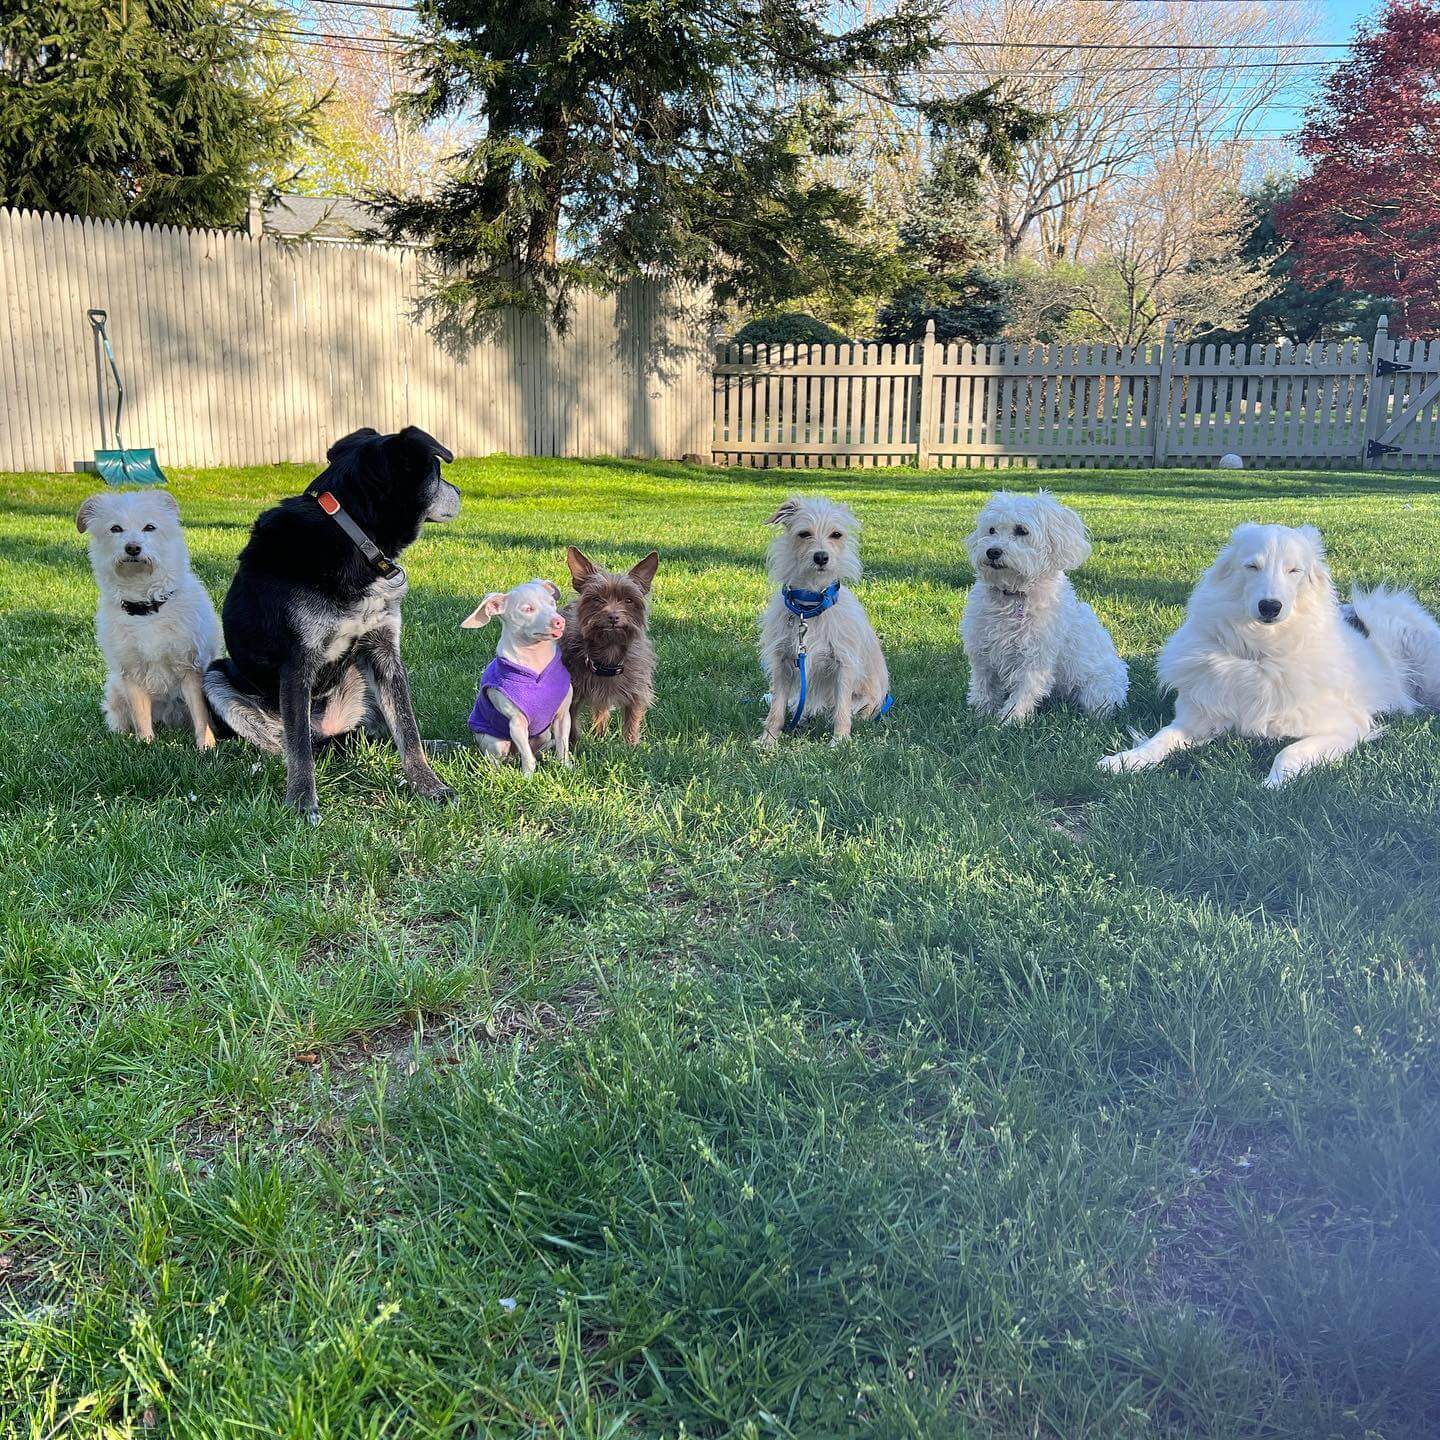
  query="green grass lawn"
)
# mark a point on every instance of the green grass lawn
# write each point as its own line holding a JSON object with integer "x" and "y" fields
{"x": 935, "y": 1086}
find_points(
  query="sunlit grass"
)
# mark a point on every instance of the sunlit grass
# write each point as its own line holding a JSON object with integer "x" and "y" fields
{"x": 936, "y": 1086}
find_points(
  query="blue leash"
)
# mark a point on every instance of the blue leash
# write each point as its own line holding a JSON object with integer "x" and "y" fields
{"x": 805, "y": 605}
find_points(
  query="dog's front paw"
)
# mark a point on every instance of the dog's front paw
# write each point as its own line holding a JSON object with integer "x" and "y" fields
{"x": 425, "y": 782}
{"x": 307, "y": 807}
{"x": 766, "y": 741}
{"x": 1280, "y": 774}
{"x": 1122, "y": 760}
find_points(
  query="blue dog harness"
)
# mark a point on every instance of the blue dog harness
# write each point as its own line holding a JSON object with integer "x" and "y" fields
{"x": 806, "y": 605}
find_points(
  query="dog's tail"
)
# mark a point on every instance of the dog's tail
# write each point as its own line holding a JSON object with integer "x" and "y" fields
{"x": 1401, "y": 627}
{"x": 238, "y": 711}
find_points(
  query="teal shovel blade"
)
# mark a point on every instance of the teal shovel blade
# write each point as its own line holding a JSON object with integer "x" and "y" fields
{"x": 129, "y": 467}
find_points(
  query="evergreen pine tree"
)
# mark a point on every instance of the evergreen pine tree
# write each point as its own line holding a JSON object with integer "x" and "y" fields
{"x": 947, "y": 246}
{"x": 168, "y": 111}
{"x": 622, "y": 138}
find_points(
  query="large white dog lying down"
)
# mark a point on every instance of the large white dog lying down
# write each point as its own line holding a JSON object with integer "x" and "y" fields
{"x": 1267, "y": 650}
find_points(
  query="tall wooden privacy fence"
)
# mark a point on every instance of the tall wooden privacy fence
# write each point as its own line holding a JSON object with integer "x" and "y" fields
{"x": 237, "y": 350}
{"x": 975, "y": 405}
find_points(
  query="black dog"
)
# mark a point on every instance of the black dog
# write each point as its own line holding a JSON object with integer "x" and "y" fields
{"x": 312, "y": 619}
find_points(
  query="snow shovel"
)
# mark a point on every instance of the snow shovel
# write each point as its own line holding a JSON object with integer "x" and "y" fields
{"x": 118, "y": 466}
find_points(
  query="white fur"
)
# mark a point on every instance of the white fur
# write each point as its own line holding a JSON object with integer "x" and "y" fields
{"x": 1026, "y": 633}
{"x": 845, "y": 667}
{"x": 1306, "y": 675}
{"x": 154, "y": 662}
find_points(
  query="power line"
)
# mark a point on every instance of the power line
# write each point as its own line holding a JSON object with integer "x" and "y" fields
{"x": 399, "y": 41}
{"x": 964, "y": 73}
{"x": 1020, "y": 44}
{"x": 375, "y": 44}
{"x": 369, "y": 5}
{"x": 1218, "y": 46}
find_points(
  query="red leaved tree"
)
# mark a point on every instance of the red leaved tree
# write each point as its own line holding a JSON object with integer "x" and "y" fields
{"x": 1368, "y": 213}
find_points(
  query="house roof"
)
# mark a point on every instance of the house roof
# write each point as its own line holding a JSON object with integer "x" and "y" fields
{"x": 319, "y": 217}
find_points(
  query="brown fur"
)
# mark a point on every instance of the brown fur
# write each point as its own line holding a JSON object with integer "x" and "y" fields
{"x": 606, "y": 624}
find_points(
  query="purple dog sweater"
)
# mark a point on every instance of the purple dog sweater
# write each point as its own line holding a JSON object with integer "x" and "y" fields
{"x": 537, "y": 696}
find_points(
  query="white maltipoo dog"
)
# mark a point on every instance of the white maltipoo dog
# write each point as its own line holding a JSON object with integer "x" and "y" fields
{"x": 155, "y": 623}
{"x": 1026, "y": 633}
{"x": 1267, "y": 650}
{"x": 812, "y": 561}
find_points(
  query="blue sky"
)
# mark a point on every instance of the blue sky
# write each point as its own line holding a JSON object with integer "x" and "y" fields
{"x": 1338, "y": 19}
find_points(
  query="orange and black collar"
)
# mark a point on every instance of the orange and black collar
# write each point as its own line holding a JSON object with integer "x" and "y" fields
{"x": 362, "y": 542}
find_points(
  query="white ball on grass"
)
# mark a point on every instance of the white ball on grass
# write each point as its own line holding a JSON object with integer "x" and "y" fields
{"x": 1231, "y": 462}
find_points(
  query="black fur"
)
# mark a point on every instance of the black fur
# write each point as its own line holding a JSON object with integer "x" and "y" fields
{"x": 312, "y": 629}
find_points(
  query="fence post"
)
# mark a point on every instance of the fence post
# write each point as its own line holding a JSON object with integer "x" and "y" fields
{"x": 925, "y": 440}
{"x": 1377, "y": 392}
{"x": 1160, "y": 416}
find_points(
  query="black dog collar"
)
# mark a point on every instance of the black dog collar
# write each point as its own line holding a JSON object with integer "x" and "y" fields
{"x": 606, "y": 672}
{"x": 362, "y": 542}
{"x": 144, "y": 607}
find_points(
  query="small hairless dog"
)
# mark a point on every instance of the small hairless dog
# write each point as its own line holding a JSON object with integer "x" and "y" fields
{"x": 524, "y": 699}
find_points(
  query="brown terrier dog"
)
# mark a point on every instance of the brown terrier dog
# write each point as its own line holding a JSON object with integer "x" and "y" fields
{"x": 606, "y": 647}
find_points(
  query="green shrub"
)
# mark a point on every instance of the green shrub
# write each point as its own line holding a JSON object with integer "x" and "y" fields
{"x": 788, "y": 328}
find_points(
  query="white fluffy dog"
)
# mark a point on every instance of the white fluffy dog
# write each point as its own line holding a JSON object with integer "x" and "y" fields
{"x": 155, "y": 623}
{"x": 1266, "y": 650}
{"x": 1026, "y": 633}
{"x": 816, "y": 552}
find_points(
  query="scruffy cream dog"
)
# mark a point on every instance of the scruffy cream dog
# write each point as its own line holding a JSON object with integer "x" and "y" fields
{"x": 1267, "y": 650}
{"x": 1026, "y": 633}
{"x": 155, "y": 624}
{"x": 815, "y": 553}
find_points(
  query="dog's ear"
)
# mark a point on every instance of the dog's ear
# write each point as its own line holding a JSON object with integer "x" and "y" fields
{"x": 423, "y": 445}
{"x": 642, "y": 572}
{"x": 1318, "y": 571}
{"x": 1065, "y": 531}
{"x": 86, "y": 512}
{"x": 554, "y": 590}
{"x": 348, "y": 442}
{"x": 580, "y": 565}
{"x": 484, "y": 612}
{"x": 168, "y": 501}
{"x": 785, "y": 512}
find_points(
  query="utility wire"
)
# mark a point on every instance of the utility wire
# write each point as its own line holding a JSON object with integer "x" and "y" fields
{"x": 1020, "y": 44}
{"x": 1219, "y": 45}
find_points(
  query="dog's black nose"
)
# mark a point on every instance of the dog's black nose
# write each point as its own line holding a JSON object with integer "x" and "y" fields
{"x": 132, "y": 548}
{"x": 1269, "y": 609}
{"x": 994, "y": 553}
{"x": 822, "y": 559}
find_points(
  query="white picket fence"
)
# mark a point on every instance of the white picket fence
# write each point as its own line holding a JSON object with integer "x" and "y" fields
{"x": 1109, "y": 405}
{"x": 237, "y": 350}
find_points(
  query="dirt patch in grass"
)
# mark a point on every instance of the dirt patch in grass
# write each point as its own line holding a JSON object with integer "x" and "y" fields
{"x": 1205, "y": 1256}
{"x": 1069, "y": 819}
{"x": 342, "y": 1073}
{"x": 27, "y": 1287}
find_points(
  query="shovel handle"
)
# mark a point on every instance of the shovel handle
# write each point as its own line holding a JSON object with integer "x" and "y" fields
{"x": 97, "y": 320}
